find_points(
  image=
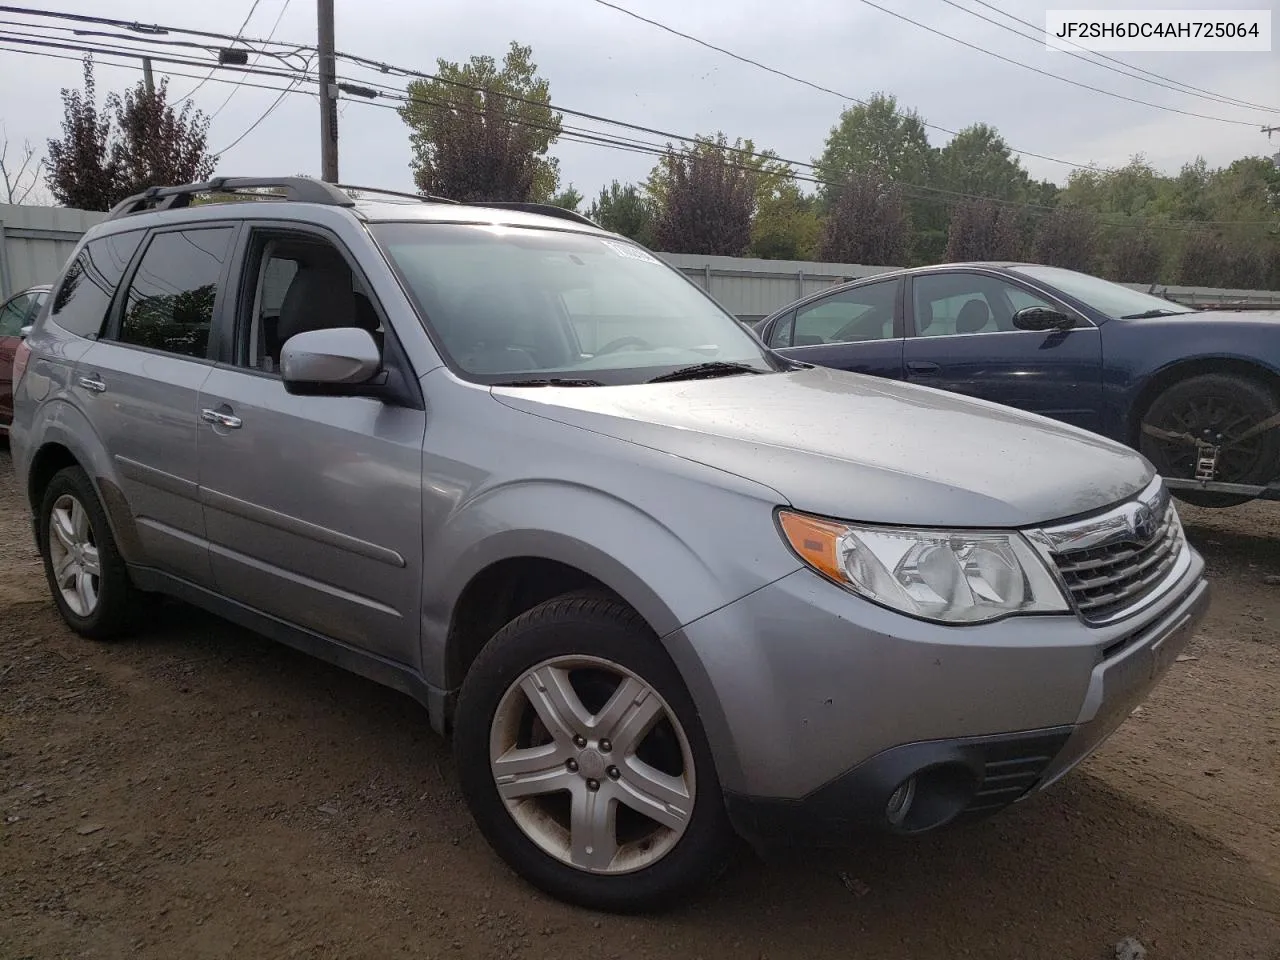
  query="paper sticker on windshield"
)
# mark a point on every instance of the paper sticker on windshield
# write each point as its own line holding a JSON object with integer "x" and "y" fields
{"x": 628, "y": 251}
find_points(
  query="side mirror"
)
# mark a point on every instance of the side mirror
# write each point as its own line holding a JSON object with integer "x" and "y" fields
{"x": 25, "y": 332}
{"x": 1042, "y": 318}
{"x": 342, "y": 361}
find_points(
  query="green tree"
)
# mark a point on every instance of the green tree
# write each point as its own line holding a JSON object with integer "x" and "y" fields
{"x": 569, "y": 198}
{"x": 977, "y": 161}
{"x": 787, "y": 225}
{"x": 876, "y": 140}
{"x": 482, "y": 133}
{"x": 1135, "y": 190}
{"x": 625, "y": 210}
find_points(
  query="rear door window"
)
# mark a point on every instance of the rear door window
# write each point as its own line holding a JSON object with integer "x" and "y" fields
{"x": 81, "y": 301}
{"x": 171, "y": 298}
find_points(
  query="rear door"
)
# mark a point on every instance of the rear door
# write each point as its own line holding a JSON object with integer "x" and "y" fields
{"x": 140, "y": 385}
{"x": 857, "y": 329}
{"x": 964, "y": 341}
{"x": 313, "y": 504}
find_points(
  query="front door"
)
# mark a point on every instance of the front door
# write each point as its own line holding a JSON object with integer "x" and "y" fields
{"x": 313, "y": 505}
{"x": 964, "y": 341}
{"x": 856, "y": 329}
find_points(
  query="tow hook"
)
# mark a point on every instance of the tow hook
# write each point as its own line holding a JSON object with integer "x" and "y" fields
{"x": 1206, "y": 460}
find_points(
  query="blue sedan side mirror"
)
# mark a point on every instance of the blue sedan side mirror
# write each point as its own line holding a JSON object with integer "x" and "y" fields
{"x": 1042, "y": 318}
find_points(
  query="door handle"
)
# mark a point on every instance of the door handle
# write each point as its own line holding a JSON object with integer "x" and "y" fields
{"x": 220, "y": 419}
{"x": 925, "y": 368}
{"x": 91, "y": 383}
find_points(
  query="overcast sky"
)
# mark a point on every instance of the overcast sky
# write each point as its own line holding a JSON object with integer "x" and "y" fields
{"x": 601, "y": 61}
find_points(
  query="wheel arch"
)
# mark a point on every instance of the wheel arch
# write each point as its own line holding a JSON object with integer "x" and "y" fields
{"x": 1180, "y": 370}
{"x": 67, "y": 438}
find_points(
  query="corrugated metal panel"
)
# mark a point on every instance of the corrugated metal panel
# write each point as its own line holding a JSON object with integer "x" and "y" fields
{"x": 751, "y": 288}
{"x": 36, "y": 241}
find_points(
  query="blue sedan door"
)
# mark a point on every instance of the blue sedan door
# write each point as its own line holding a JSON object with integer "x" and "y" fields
{"x": 963, "y": 340}
{"x": 858, "y": 329}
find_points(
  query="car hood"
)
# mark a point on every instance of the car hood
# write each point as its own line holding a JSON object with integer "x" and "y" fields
{"x": 1254, "y": 319}
{"x": 861, "y": 448}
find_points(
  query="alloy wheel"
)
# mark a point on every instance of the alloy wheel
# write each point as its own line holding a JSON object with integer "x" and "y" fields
{"x": 77, "y": 570}
{"x": 592, "y": 765}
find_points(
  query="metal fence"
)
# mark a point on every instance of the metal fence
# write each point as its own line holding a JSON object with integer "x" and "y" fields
{"x": 35, "y": 242}
{"x": 752, "y": 289}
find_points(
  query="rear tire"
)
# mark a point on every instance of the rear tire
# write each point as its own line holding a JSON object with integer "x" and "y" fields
{"x": 571, "y": 773}
{"x": 1218, "y": 407}
{"x": 87, "y": 576}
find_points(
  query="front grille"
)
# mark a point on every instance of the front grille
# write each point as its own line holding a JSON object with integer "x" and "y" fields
{"x": 1107, "y": 577}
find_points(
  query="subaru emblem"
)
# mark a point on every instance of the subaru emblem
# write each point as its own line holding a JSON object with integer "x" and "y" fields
{"x": 1143, "y": 523}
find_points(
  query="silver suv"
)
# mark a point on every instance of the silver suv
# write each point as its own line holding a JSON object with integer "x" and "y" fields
{"x": 662, "y": 585}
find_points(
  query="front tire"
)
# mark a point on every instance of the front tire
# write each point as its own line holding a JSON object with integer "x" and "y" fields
{"x": 1219, "y": 408}
{"x": 582, "y": 759}
{"x": 86, "y": 573}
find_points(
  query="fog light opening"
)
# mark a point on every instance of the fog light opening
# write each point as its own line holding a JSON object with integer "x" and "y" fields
{"x": 930, "y": 798}
{"x": 900, "y": 801}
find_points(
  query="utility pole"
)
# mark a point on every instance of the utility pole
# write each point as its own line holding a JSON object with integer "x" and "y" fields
{"x": 328, "y": 92}
{"x": 1270, "y": 130}
{"x": 147, "y": 77}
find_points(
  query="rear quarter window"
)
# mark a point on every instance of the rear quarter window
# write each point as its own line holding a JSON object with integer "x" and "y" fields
{"x": 81, "y": 301}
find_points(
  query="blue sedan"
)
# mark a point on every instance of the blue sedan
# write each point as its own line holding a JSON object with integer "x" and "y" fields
{"x": 1198, "y": 392}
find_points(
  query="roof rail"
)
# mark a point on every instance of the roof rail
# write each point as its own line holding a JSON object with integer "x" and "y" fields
{"x": 424, "y": 197}
{"x": 546, "y": 209}
{"x": 295, "y": 189}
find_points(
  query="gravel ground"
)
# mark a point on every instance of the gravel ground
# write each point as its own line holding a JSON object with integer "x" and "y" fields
{"x": 199, "y": 792}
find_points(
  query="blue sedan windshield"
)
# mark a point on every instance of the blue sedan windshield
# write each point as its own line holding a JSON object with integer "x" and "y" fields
{"x": 1107, "y": 298}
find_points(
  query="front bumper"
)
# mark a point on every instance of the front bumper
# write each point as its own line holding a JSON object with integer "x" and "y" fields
{"x": 816, "y": 717}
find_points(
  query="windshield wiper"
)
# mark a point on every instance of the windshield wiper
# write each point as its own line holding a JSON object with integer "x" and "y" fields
{"x": 549, "y": 382}
{"x": 705, "y": 371}
{"x": 1150, "y": 314}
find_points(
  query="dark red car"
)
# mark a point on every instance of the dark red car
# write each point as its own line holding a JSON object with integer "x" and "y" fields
{"x": 15, "y": 313}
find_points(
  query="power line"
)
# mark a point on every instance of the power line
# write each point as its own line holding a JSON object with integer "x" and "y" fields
{"x": 921, "y": 192}
{"x": 1038, "y": 40}
{"x": 257, "y": 59}
{"x": 112, "y": 53}
{"x": 266, "y": 113}
{"x": 1189, "y": 88}
{"x": 389, "y": 68}
{"x": 1046, "y": 73}
{"x": 247, "y": 17}
{"x": 573, "y": 134}
{"x": 812, "y": 84}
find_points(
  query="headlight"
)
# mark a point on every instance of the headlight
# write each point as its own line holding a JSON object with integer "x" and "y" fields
{"x": 949, "y": 576}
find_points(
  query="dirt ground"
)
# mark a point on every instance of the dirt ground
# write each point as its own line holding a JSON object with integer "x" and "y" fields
{"x": 198, "y": 792}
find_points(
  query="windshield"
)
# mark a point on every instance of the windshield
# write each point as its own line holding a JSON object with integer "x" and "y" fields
{"x": 1106, "y": 297}
{"x": 519, "y": 305}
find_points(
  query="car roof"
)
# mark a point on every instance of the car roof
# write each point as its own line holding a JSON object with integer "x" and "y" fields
{"x": 304, "y": 199}
{"x": 368, "y": 211}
